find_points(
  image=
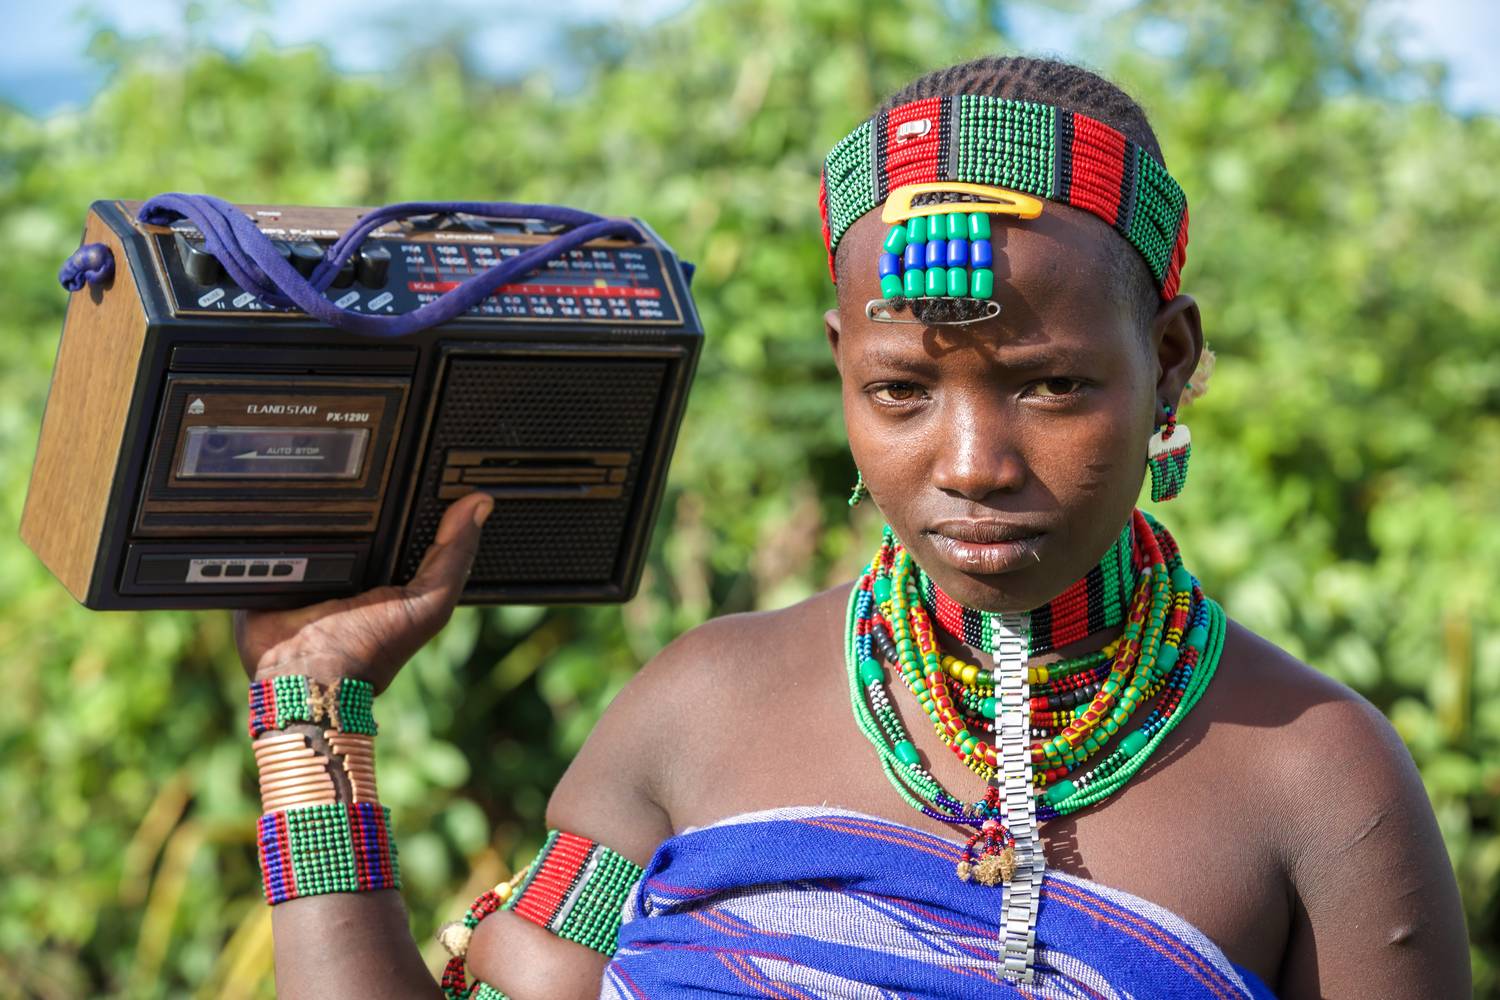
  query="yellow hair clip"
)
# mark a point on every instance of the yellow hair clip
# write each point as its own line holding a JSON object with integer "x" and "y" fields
{"x": 988, "y": 199}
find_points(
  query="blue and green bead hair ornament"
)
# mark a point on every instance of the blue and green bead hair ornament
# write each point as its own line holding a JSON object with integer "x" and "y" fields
{"x": 941, "y": 254}
{"x": 942, "y": 249}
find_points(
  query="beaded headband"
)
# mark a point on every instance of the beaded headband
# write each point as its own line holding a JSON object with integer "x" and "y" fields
{"x": 998, "y": 155}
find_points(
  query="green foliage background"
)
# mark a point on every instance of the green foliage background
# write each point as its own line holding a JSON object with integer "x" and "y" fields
{"x": 1344, "y": 489}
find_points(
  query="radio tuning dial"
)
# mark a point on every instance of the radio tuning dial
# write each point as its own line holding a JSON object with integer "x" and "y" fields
{"x": 200, "y": 265}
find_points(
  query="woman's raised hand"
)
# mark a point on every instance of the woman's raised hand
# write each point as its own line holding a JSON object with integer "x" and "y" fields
{"x": 371, "y": 635}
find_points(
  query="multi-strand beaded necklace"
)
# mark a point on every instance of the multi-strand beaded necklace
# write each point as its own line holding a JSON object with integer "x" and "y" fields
{"x": 1167, "y": 651}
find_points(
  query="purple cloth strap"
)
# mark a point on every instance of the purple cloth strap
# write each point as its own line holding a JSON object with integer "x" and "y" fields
{"x": 92, "y": 264}
{"x": 249, "y": 257}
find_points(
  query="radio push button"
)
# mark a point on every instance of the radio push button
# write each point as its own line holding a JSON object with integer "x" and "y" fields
{"x": 306, "y": 255}
{"x": 200, "y": 265}
{"x": 373, "y": 266}
{"x": 345, "y": 277}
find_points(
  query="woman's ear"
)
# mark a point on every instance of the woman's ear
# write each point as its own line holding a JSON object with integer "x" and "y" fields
{"x": 832, "y": 328}
{"x": 1177, "y": 339}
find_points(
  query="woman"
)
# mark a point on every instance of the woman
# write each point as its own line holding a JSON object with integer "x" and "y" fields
{"x": 1118, "y": 791}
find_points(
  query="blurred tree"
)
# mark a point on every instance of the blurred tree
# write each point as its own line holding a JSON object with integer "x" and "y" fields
{"x": 1343, "y": 492}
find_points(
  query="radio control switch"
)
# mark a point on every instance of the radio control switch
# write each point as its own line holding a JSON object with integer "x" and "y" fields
{"x": 373, "y": 266}
{"x": 306, "y": 255}
{"x": 200, "y": 265}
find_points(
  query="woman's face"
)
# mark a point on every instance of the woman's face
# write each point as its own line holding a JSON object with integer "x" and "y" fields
{"x": 1008, "y": 454}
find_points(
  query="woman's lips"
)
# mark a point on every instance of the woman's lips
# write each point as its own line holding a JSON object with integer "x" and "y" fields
{"x": 987, "y": 558}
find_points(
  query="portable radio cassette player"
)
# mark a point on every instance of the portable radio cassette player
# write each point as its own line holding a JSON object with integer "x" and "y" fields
{"x": 207, "y": 444}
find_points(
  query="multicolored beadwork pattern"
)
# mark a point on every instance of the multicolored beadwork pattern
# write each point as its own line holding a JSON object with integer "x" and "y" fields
{"x": 576, "y": 889}
{"x": 455, "y": 982}
{"x": 1097, "y": 601}
{"x": 929, "y": 255}
{"x": 1167, "y": 457}
{"x": 1037, "y": 149}
{"x": 1077, "y": 709}
{"x": 337, "y": 847}
{"x": 347, "y": 705}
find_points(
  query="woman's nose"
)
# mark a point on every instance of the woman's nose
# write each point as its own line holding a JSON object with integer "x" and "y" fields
{"x": 977, "y": 455}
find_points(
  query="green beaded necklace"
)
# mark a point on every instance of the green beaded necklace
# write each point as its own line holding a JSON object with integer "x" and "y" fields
{"x": 1170, "y": 648}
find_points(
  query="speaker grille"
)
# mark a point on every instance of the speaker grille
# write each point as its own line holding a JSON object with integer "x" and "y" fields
{"x": 546, "y": 407}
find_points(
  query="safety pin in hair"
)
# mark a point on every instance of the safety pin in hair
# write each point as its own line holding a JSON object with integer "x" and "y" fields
{"x": 879, "y": 310}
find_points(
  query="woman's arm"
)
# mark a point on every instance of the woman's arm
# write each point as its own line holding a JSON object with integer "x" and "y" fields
{"x": 348, "y": 944}
{"x": 1377, "y": 911}
{"x": 357, "y": 944}
{"x": 618, "y": 791}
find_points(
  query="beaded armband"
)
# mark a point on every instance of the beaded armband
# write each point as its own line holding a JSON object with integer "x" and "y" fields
{"x": 575, "y": 887}
{"x": 346, "y": 704}
{"x": 335, "y": 847}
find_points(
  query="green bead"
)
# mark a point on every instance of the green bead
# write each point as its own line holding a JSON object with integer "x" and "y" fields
{"x": 1133, "y": 744}
{"x": 958, "y": 225}
{"x": 937, "y": 281}
{"x": 895, "y": 240}
{"x": 914, "y": 282}
{"x": 979, "y": 225}
{"x": 882, "y": 589}
{"x": 870, "y": 671}
{"x": 1166, "y": 659}
{"x": 906, "y": 752}
{"x": 1197, "y": 637}
{"x": 958, "y": 281}
{"x": 987, "y": 708}
{"x": 1182, "y": 580}
{"x": 916, "y": 229}
{"x": 983, "y": 283}
{"x": 1056, "y": 793}
{"x": 890, "y": 286}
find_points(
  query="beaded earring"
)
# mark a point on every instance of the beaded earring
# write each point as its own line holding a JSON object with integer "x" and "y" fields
{"x": 1167, "y": 458}
{"x": 860, "y": 490}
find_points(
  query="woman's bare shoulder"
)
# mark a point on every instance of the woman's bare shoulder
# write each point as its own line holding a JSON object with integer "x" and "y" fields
{"x": 689, "y": 695}
{"x": 1329, "y": 779}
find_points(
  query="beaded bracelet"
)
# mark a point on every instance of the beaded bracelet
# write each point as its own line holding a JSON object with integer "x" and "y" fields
{"x": 346, "y": 704}
{"x": 575, "y": 887}
{"x": 335, "y": 847}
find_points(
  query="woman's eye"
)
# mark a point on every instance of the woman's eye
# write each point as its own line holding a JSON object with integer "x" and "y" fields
{"x": 897, "y": 392}
{"x": 1055, "y": 387}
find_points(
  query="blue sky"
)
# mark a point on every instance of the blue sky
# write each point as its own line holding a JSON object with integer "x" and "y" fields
{"x": 44, "y": 68}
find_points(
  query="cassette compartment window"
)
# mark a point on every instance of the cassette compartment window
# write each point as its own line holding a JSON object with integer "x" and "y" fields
{"x": 220, "y": 452}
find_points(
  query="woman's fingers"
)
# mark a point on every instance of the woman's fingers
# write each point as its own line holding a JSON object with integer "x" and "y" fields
{"x": 445, "y": 566}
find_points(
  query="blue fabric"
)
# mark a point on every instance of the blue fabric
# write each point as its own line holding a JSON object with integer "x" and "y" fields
{"x": 91, "y": 264}
{"x": 805, "y": 902}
